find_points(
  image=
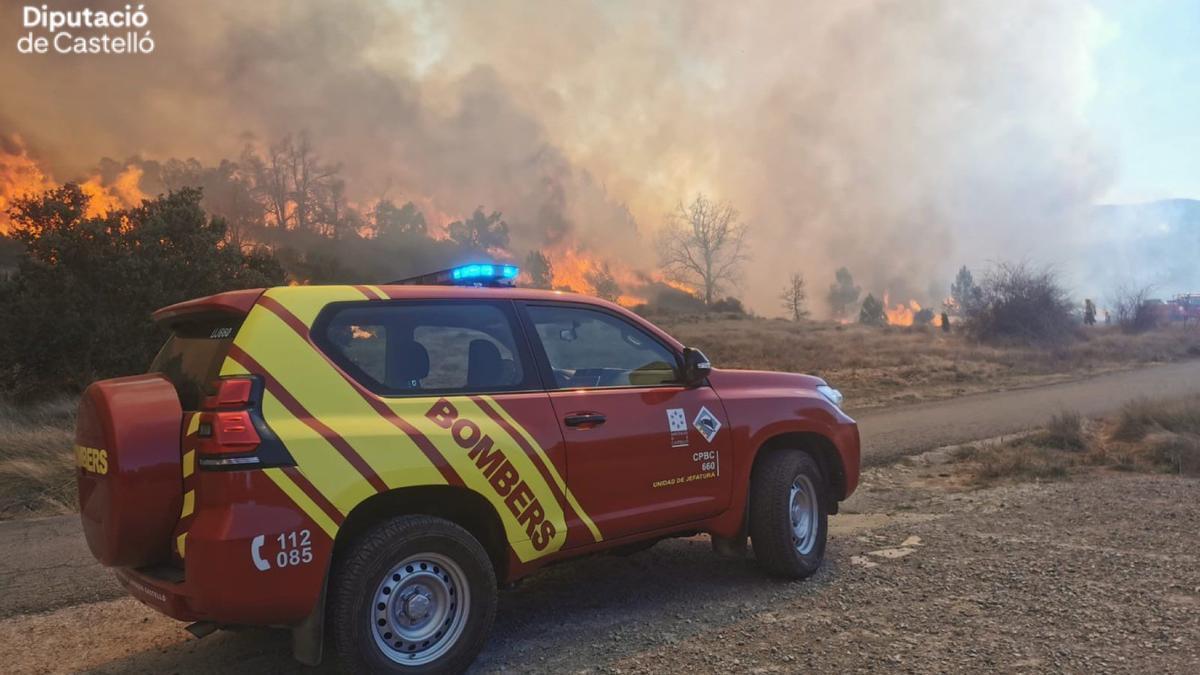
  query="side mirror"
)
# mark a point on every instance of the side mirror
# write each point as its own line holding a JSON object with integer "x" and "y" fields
{"x": 696, "y": 367}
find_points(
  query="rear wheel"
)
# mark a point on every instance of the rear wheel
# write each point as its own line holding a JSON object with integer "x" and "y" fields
{"x": 416, "y": 594}
{"x": 788, "y": 517}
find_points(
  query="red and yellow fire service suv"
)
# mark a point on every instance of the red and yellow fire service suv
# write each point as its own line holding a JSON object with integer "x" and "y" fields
{"x": 369, "y": 462}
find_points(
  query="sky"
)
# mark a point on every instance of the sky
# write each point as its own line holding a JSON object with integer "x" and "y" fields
{"x": 1146, "y": 103}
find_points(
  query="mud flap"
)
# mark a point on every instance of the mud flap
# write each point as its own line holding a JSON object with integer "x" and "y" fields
{"x": 308, "y": 637}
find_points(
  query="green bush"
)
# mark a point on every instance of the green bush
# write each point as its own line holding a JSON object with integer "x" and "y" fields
{"x": 78, "y": 306}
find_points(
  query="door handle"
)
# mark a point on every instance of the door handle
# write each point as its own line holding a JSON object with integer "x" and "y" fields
{"x": 586, "y": 420}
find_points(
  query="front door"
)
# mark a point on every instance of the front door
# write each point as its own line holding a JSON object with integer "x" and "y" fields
{"x": 643, "y": 451}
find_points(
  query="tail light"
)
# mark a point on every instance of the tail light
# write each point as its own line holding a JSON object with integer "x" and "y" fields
{"x": 227, "y": 426}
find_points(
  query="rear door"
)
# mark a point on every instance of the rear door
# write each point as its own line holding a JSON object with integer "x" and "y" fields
{"x": 642, "y": 451}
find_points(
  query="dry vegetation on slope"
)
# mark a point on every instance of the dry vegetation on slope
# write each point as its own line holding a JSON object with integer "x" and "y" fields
{"x": 879, "y": 366}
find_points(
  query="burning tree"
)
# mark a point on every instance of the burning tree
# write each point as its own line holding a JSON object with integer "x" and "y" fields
{"x": 391, "y": 221}
{"x": 292, "y": 182}
{"x": 603, "y": 283}
{"x": 704, "y": 245}
{"x": 872, "y": 313}
{"x": 540, "y": 271}
{"x": 481, "y": 232}
{"x": 843, "y": 295}
{"x": 795, "y": 297}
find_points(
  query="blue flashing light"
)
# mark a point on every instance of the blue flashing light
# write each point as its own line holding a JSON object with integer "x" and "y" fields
{"x": 483, "y": 273}
{"x": 478, "y": 274}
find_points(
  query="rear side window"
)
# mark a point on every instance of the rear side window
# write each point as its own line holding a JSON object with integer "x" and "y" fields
{"x": 587, "y": 348}
{"x": 192, "y": 357}
{"x": 425, "y": 347}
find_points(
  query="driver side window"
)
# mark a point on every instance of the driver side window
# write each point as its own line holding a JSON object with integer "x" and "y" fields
{"x": 589, "y": 349}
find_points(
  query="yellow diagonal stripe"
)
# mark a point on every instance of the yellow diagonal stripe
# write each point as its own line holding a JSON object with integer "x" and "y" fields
{"x": 302, "y": 500}
{"x": 562, "y": 485}
{"x": 180, "y": 544}
{"x": 189, "y": 463}
{"x": 189, "y": 503}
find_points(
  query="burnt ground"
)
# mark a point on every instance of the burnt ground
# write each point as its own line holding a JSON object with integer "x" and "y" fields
{"x": 925, "y": 573}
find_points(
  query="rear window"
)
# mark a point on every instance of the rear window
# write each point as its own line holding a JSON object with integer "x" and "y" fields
{"x": 192, "y": 357}
{"x": 424, "y": 347}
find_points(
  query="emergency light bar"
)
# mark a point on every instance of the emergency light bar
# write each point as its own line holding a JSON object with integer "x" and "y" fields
{"x": 480, "y": 274}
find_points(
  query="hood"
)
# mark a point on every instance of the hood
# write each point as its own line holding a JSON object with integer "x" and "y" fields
{"x": 762, "y": 378}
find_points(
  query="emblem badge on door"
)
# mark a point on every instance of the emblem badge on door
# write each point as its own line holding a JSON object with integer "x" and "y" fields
{"x": 707, "y": 424}
{"x": 677, "y": 424}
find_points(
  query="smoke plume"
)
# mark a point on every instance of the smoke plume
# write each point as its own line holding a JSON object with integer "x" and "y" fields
{"x": 900, "y": 138}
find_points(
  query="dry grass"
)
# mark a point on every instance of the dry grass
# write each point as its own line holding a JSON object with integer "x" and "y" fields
{"x": 890, "y": 365}
{"x": 1146, "y": 435}
{"x": 37, "y": 467}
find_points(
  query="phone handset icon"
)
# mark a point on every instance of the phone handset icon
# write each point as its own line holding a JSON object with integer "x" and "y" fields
{"x": 255, "y": 547}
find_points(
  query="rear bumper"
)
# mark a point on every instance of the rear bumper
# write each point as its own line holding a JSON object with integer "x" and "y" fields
{"x": 235, "y": 570}
{"x": 172, "y": 599}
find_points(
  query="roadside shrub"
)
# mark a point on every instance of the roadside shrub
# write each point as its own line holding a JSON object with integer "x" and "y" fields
{"x": 1178, "y": 454}
{"x": 1021, "y": 461}
{"x": 78, "y": 306}
{"x": 1064, "y": 431}
{"x": 1141, "y": 416}
{"x": 730, "y": 305}
{"x": 1017, "y": 303}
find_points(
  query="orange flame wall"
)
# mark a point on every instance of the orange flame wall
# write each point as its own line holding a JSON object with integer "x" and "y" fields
{"x": 21, "y": 175}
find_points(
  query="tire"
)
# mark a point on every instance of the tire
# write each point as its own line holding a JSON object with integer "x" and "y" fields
{"x": 418, "y": 569}
{"x": 785, "y": 545}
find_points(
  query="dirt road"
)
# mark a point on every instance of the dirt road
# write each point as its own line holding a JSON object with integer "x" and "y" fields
{"x": 891, "y": 432}
{"x": 1029, "y": 576}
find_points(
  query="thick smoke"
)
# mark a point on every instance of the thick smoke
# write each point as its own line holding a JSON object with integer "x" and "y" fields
{"x": 901, "y": 138}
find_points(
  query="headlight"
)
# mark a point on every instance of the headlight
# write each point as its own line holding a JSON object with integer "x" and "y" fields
{"x": 832, "y": 395}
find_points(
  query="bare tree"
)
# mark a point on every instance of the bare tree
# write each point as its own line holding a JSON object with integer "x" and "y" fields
{"x": 294, "y": 184}
{"x": 795, "y": 297}
{"x": 311, "y": 179}
{"x": 1133, "y": 308}
{"x": 704, "y": 244}
{"x": 270, "y": 183}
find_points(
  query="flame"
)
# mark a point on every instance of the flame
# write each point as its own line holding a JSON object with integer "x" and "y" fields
{"x": 21, "y": 176}
{"x": 574, "y": 268}
{"x": 124, "y": 192}
{"x": 902, "y": 314}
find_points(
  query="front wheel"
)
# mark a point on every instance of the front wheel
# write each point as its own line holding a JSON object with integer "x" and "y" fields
{"x": 789, "y": 522}
{"x": 415, "y": 594}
